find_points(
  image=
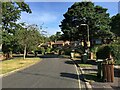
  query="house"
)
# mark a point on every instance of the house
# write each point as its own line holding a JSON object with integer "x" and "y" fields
{"x": 47, "y": 44}
{"x": 60, "y": 44}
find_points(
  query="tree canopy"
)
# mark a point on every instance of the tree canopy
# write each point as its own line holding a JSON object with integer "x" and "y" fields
{"x": 57, "y": 36}
{"x": 115, "y": 24}
{"x": 11, "y": 12}
{"x": 96, "y": 17}
{"x": 29, "y": 38}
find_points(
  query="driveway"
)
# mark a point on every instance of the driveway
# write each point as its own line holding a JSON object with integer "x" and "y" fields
{"x": 49, "y": 73}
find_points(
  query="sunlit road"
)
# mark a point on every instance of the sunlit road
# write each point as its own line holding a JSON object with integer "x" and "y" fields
{"x": 49, "y": 73}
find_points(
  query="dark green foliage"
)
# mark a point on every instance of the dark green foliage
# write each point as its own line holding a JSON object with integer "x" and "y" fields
{"x": 96, "y": 17}
{"x": 42, "y": 49}
{"x": 105, "y": 51}
{"x": 115, "y": 24}
{"x": 95, "y": 48}
{"x": 67, "y": 51}
{"x": 116, "y": 52}
{"x": 56, "y": 37}
{"x": 79, "y": 49}
{"x": 48, "y": 50}
{"x": 11, "y": 12}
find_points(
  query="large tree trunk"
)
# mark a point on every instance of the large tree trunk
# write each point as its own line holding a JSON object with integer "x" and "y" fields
{"x": 24, "y": 52}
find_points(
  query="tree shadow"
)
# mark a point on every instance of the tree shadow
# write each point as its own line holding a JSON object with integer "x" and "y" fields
{"x": 69, "y": 75}
{"x": 92, "y": 77}
{"x": 90, "y": 69}
{"x": 69, "y": 62}
{"x": 41, "y": 75}
{"x": 49, "y": 56}
{"x": 92, "y": 62}
{"x": 72, "y": 62}
{"x": 116, "y": 87}
{"x": 72, "y": 76}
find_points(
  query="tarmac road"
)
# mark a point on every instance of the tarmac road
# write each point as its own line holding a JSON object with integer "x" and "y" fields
{"x": 49, "y": 73}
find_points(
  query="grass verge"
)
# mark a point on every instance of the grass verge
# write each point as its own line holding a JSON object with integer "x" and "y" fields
{"x": 16, "y": 63}
{"x": 85, "y": 65}
{"x": 92, "y": 77}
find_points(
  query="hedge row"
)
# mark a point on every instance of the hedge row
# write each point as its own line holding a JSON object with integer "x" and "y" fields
{"x": 104, "y": 51}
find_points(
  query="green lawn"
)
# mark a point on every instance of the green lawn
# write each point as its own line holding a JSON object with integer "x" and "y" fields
{"x": 16, "y": 63}
{"x": 92, "y": 77}
{"x": 85, "y": 65}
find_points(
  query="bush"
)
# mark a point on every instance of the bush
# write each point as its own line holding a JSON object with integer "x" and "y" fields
{"x": 105, "y": 51}
{"x": 42, "y": 50}
{"x": 79, "y": 49}
{"x": 115, "y": 52}
{"x": 95, "y": 48}
{"x": 48, "y": 50}
{"x": 55, "y": 50}
{"x": 67, "y": 51}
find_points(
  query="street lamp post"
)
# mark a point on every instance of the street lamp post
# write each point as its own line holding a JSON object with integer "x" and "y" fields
{"x": 88, "y": 34}
{"x": 85, "y": 56}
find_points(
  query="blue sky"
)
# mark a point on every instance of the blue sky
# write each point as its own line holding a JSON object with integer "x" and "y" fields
{"x": 51, "y": 13}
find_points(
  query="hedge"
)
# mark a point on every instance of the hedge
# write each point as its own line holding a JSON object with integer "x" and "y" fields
{"x": 104, "y": 51}
{"x": 115, "y": 52}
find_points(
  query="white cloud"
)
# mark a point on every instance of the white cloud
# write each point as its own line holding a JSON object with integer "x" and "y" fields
{"x": 37, "y": 17}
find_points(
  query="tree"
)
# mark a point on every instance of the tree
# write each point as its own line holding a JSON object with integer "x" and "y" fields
{"x": 11, "y": 12}
{"x": 96, "y": 17}
{"x": 57, "y": 36}
{"x": 29, "y": 38}
{"x": 115, "y": 24}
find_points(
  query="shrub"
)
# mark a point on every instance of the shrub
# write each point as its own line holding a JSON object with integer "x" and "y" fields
{"x": 79, "y": 49}
{"x": 42, "y": 50}
{"x": 67, "y": 51}
{"x": 95, "y": 48}
{"x": 115, "y": 52}
{"x": 48, "y": 50}
{"x": 105, "y": 50}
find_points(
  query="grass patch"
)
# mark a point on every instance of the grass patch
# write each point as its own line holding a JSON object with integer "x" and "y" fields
{"x": 85, "y": 65}
{"x": 16, "y": 63}
{"x": 1, "y": 52}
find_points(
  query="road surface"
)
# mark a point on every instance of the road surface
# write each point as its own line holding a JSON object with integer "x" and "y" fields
{"x": 49, "y": 73}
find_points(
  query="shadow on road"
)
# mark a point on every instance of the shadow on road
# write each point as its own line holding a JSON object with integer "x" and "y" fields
{"x": 44, "y": 75}
{"x": 69, "y": 75}
{"x": 73, "y": 76}
{"x": 69, "y": 62}
{"x": 49, "y": 56}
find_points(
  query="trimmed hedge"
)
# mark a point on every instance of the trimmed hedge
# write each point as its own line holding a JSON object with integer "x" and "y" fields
{"x": 115, "y": 52}
{"x": 105, "y": 50}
